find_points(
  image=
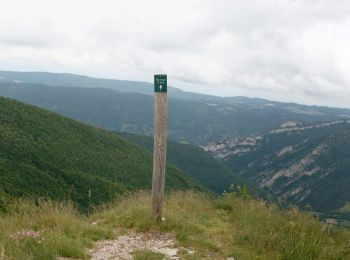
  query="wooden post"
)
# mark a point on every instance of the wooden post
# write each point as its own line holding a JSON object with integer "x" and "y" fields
{"x": 160, "y": 144}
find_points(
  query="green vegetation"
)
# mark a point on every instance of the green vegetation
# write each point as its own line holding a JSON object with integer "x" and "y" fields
{"x": 346, "y": 207}
{"x": 197, "y": 163}
{"x": 233, "y": 225}
{"x": 46, "y": 155}
{"x": 148, "y": 255}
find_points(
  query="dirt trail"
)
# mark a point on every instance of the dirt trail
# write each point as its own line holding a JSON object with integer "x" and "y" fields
{"x": 123, "y": 247}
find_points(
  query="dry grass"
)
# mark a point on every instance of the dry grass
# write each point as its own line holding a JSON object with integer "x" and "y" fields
{"x": 232, "y": 226}
{"x": 215, "y": 228}
{"x": 47, "y": 230}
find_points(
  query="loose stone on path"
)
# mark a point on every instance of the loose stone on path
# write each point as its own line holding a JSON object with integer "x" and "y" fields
{"x": 124, "y": 246}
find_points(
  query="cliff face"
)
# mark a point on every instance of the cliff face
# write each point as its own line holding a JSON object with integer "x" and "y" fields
{"x": 304, "y": 164}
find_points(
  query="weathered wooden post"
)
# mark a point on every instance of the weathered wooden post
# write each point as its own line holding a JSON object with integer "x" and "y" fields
{"x": 160, "y": 144}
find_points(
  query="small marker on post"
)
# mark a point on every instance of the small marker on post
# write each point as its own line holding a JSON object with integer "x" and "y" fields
{"x": 160, "y": 144}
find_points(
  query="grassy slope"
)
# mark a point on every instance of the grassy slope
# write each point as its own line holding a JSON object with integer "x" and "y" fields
{"x": 44, "y": 154}
{"x": 193, "y": 160}
{"x": 218, "y": 227}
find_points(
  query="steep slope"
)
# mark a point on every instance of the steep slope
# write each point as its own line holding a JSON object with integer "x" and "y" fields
{"x": 303, "y": 164}
{"x": 197, "y": 163}
{"x": 44, "y": 154}
{"x": 196, "y": 122}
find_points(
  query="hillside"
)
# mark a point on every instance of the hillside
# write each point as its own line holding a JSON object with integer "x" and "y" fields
{"x": 198, "y": 122}
{"x": 43, "y": 154}
{"x": 299, "y": 163}
{"x": 197, "y": 163}
{"x": 196, "y": 226}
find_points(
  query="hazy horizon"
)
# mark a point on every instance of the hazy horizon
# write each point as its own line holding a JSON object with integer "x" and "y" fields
{"x": 184, "y": 89}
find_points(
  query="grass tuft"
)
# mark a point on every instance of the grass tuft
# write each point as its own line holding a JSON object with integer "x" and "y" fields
{"x": 148, "y": 255}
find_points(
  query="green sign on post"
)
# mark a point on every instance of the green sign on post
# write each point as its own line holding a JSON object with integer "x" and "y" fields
{"x": 160, "y": 83}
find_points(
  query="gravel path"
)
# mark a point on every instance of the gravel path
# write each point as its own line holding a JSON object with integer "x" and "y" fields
{"x": 123, "y": 247}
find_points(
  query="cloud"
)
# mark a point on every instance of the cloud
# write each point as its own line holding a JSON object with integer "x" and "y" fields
{"x": 291, "y": 50}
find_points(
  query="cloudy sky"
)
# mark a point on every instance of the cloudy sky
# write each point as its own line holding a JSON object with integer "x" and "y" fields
{"x": 289, "y": 50}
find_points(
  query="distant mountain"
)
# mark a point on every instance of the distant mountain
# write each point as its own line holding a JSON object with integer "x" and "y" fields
{"x": 43, "y": 154}
{"x": 306, "y": 164}
{"x": 198, "y": 122}
{"x": 72, "y": 80}
{"x": 197, "y": 163}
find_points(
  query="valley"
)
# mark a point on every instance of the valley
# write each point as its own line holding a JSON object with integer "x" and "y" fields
{"x": 272, "y": 147}
{"x": 75, "y": 178}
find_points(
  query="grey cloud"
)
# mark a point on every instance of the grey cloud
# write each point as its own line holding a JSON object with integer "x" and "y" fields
{"x": 25, "y": 42}
{"x": 293, "y": 49}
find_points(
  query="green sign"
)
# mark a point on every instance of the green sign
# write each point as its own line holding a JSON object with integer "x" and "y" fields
{"x": 160, "y": 83}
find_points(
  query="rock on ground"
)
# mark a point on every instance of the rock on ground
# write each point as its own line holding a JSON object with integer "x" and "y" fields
{"x": 124, "y": 246}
